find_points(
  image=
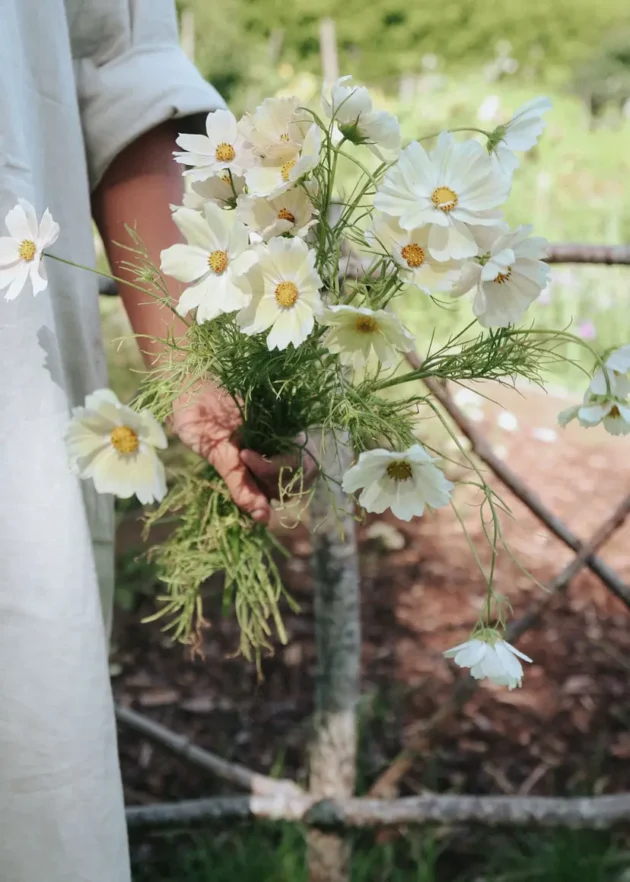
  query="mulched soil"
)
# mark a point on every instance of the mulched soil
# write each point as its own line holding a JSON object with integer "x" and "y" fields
{"x": 566, "y": 731}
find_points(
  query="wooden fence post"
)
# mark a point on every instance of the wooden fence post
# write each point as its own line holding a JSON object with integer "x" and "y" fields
{"x": 338, "y": 637}
{"x": 328, "y": 51}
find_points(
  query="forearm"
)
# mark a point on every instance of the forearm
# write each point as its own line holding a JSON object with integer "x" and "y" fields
{"x": 137, "y": 190}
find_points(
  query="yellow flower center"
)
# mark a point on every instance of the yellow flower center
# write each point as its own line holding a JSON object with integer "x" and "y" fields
{"x": 218, "y": 261}
{"x": 285, "y": 137}
{"x": 286, "y": 294}
{"x": 225, "y": 153}
{"x": 285, "y": 214}
{"x": 27, "y": 250}
{"x": 124, "y": 439}
{"x": 614, "y": 412}
{"x": 366, "y": 324}
{"x": 444, "y": 198}
{"x": 413, "y": 254}
{"x": 399, "y": 470}
{"x": 501, "y": 278}
{"x": 285, "y": 170}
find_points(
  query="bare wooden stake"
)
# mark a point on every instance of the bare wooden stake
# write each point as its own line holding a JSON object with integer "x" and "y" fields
{"x": 338, "y": 634}
{"x": 328, "y": 51}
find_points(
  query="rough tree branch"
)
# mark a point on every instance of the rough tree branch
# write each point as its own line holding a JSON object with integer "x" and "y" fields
{"x": 492, "y": 811}
{"x": 260, "y": 785}
{"x": 577, "y": 252}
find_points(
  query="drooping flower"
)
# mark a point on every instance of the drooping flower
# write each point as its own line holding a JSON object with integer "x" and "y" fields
{"x": 520, "y": 133}
{"x": 606, "y": 397}
{"x": 275, "y": 175}
{"x": 510, "y": 278}
{"x": 21, "y": 251}
{"x": 222, "y": 148}
{"x": 116, "y": 447}
{"x": 452, "y": 190}
{"x": 487, "y": 656}
{"x": 410, "y": 250}
{"x": 619, "y": 360}
{"x": 358, "y": 122}
{"x": 290, "y": 212}
{"x": 405, "y": 482}
{"x": 222, "y": 189}
{"x": 215, "y": 260}
{"x": 356, "y": 332}
{"x": 286, "y": 294}
{"x": 613, "y": 412}
{"x": 277, "y": 129}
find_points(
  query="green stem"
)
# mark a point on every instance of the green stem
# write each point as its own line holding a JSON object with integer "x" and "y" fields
{"x": 458, "y": 129}
{"x": 426, "y": 371}
{"x": 96, "y": 272}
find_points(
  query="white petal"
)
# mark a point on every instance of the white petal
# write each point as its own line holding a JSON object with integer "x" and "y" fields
{"x": 515, "y": 651}
{"x": 18, "y": 282}
{"x": 593, "y": 413}
{"x": 197, "y": 231}
{"x": 37, "y": 273}
{"x": 21, "y": 221}
{"x": 9, "y": 251}
{"x": 187, "y": 263}
{"x": 48, "y": 231}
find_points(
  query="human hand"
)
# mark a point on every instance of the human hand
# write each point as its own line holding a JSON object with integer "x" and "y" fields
{"x": 207, "y": 420}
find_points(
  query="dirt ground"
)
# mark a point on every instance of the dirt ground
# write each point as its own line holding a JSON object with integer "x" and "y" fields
{"x": 566, "y": 731}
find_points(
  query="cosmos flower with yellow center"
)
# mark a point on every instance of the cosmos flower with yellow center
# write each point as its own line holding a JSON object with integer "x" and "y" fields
{"x": 21, "y": 251}
{"x": 116, "y": 448}
{"x": 405, "y": 482}
{"x": 214, "y": 262}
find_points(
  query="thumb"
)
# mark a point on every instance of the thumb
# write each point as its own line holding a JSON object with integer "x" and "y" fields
{"x": 240, "y": 482}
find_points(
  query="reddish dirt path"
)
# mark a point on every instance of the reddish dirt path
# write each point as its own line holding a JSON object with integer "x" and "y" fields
{"x": 566, "y": 730}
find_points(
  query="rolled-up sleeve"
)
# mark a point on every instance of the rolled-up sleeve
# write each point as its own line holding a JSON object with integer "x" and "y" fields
{"x": 134, "y": 77}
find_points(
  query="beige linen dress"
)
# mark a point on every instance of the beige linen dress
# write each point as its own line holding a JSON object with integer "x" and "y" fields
{"x": 79, "y": 80}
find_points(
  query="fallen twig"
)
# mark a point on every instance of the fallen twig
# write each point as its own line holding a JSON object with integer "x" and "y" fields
{"x": 493, "y": 811}
{"x": 261, "y": 785}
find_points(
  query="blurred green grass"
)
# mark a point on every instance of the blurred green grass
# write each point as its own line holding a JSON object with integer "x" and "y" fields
{"x": 261, "y": 853}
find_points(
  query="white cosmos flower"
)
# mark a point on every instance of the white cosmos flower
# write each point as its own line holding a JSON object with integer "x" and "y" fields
{"x": 406, "y": 482}
{"x": 351, "y": 107}
{"x": 610, "y": 407}
{"x": 218, "y": 189}
{"x": 115, "y": 446}
{"x": 222, "y": 147}
{"x": 216, "y": 260}
{"x": 277, "y": 129}
{"x": 21, "y": 250}
{"x": 286, "y": 298}
{"x": 511, "y": 278}
{"x": 619, "y": 360}
{"x": 275, "y": 175}
{"x": 452, "y": 190}
{"x": 520, "y": 133}
{"x": 356, "y": 331}
{"x": 290, "y": 212}
{"x": 410, "y": 250}
{"x": 486, "y": 656}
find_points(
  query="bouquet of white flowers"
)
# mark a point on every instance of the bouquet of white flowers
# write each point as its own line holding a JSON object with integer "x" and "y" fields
{"x": 302, "y": 229}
